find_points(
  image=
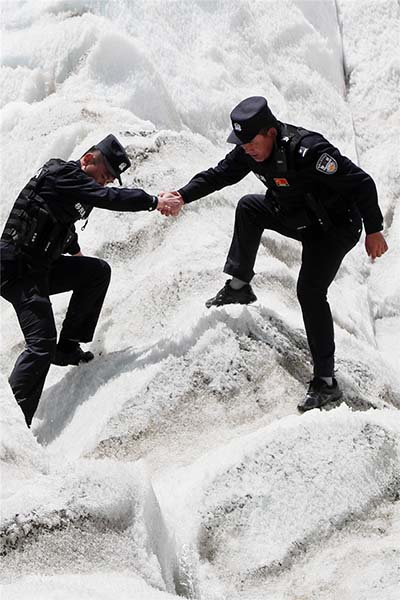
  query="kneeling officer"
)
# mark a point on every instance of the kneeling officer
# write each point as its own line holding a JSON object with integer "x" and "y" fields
{"x": 39, "y": 231}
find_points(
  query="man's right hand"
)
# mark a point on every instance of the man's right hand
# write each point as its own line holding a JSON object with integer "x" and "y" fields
{"x": 170, "y": 203}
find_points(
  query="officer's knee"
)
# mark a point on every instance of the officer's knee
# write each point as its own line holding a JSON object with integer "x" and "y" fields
{"x": 103, "y": 270}
{"x": 244, "y": 203}
{"x": 106, "y": 269}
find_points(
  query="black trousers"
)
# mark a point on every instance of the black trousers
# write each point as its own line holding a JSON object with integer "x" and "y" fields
{"x": 322, "y": 256}
{"x": 29, "y": 291}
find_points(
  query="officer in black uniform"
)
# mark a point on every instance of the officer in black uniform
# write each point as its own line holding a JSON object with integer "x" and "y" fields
{"x": 314, "y": 195}
{"x": 37, "y": 234}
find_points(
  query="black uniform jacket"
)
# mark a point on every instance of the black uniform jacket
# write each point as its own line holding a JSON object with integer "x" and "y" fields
{"x": 71, "y": 195}
{"x": 314, "y": 167}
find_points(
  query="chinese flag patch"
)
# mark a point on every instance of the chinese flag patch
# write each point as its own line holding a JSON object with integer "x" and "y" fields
{"x": 281, "y": 182}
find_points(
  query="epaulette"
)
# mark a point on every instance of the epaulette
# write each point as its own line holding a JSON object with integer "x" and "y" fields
{"x": 302, "y": 150}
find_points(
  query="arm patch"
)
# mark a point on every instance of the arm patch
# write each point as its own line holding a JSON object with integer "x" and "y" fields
{"x": 326, "y": 164}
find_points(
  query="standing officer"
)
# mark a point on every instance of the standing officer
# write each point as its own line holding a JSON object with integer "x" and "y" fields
{"x": 314, "y": 195}
{"x": 39, "y": 231}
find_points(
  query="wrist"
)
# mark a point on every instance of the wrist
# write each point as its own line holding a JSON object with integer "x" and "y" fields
{"x": 182, "y": 197}
{"x": 154, "y": 203}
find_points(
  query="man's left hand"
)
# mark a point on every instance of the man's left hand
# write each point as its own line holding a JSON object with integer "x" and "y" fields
{"x": 375, "y": 245}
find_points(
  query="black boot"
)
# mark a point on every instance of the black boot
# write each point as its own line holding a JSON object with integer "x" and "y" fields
{"x": 319, "y": 393}
{"x": 70, "y": 353}
{"x": 230, "y": 296}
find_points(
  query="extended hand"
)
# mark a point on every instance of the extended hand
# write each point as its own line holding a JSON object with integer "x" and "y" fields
{"x": 170, "y": 203}
{"x": 375, "y": 245}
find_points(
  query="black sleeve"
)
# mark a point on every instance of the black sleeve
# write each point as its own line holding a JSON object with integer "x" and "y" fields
{"x": 325, "y": 166}
{"x": 229, "y": 171}
{"x": 73, "y": 185}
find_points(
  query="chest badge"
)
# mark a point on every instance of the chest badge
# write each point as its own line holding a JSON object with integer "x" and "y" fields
{"x": 281, "y": 182}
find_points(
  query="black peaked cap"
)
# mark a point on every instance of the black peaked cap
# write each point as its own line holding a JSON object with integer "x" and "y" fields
{"x": 115, "y": 157}
{"x": 248, "y": 118}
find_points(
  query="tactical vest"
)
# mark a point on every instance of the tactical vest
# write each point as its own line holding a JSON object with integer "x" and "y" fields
{"x": 291, "y": 198}
{"x": 39, "y": 237}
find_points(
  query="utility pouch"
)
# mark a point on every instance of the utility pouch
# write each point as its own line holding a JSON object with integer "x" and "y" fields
{"x": 42, "y": 236}
{"x": 40, "y": 227}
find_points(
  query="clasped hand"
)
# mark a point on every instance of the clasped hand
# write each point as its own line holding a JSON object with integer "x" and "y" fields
{"x": 169, "y": 203}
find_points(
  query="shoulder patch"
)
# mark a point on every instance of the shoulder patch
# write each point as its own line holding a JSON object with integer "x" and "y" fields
{"x": 326, "y": 164}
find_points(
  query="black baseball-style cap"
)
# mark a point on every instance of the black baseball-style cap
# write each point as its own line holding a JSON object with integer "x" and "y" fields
{"x": 248, "y": 118}
{"x": 115, "y": 157}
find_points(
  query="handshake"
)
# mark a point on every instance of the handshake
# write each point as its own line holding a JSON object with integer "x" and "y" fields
{"x": 169, "y": 203}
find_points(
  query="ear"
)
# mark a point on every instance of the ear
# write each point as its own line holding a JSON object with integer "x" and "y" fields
{"x": 87, "y": 159}
{"x": 272, "y": 132}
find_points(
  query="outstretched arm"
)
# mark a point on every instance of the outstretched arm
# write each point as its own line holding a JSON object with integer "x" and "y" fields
{"x": 230, "y": 170}
{"x": 76, "y": 187}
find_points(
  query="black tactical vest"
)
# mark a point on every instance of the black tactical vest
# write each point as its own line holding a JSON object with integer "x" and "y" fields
{"x": 290, "y": 196}
{"x": 39, "y": 237}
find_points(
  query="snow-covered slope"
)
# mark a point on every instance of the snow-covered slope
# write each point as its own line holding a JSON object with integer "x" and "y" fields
{"x": 175, "y": 463}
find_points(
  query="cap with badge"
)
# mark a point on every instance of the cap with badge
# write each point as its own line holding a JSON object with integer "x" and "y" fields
{"x": 248, "y": 118}
{"x": 115, "y": 157}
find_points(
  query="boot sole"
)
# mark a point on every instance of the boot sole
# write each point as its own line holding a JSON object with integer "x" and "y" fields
{"x": 303, "y": 409}
{"x": 72, "y": 364}
{"x": 209, "y": 305}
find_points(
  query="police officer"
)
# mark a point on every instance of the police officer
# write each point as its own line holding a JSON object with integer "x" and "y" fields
{"x": 314, "y": 195}
{"x": 38, "y": 233}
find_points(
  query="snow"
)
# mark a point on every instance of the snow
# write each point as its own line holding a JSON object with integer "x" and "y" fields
{"x": 176, "y": 463}
{"x": 84, "y": 587}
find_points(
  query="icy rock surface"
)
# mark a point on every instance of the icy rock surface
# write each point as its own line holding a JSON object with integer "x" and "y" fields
{"x": 175, "y": 463}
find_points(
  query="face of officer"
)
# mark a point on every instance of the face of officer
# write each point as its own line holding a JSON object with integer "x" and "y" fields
{"x": 92, "y": 164}
{"x": 260, "y": 148}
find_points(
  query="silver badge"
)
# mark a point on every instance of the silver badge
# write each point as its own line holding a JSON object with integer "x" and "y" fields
{"x": 122, "y": 166}
{"x": 303, "y": 151}
{"x": 237, "y": 126}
